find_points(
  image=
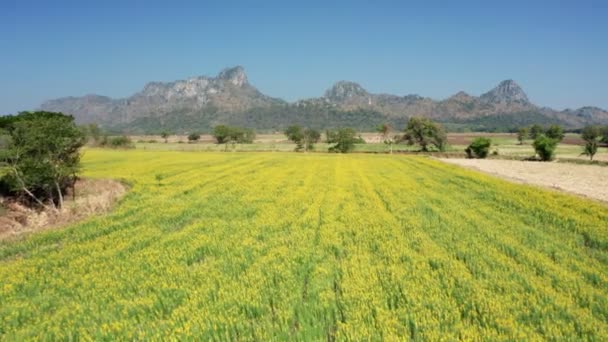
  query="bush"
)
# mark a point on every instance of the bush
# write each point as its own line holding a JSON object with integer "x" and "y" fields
{"x": 545, "y": 147}
{"x": 479, "y": 148}
{"x": 226, "y": 134}
{"x": 344, "y": 140}
{"x": 122, "y": 141}
{"x": 194, "y": 137}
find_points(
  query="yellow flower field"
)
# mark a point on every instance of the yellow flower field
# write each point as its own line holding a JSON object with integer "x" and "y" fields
{"x": 286, "y": 246}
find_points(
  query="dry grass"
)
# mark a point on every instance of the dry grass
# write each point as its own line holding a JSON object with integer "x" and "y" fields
{"x": 586, "y": 180}
{"x": 92, "y": 196}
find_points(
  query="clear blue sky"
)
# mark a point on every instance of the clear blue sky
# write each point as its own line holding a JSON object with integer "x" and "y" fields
{"x": 556, "y": 50}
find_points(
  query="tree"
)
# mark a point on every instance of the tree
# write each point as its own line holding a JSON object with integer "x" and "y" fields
{"x": 604, "y": 134}
{"x": 424, "y": 132}
{"x": 43, "y": 156}
{"x": 479, "y": 148}
{"x": 165, "y": 135}
{"x": 522, "y": 134}
{"x": 247, "y": 136}
{"x": 592, "y": 136}
{"x": 555, "y": 132}
{"x": 385, "y": 131}
{"x": 194, "y": 136}
{"x": 295, "y": 133}
{"x": 535, "y": 131}
{"x": 343, "y": 139}
{"x": 311, "y": 137}
{"x": 303, "y": 138}
{"x": 545, "y": 147}
{"x": 221, "y": 133}
{"x": 227, "y": 134}
{"x": 92, "y": 133}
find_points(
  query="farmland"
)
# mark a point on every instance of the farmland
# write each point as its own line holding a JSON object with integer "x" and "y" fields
{"x": 286, "y": 246}
{"x": 505, "y": 145}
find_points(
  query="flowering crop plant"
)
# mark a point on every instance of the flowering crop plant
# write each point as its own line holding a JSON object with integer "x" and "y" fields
{"x": 286, "y": 246}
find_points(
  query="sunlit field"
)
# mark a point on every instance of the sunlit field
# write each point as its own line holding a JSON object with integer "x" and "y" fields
{"x": 505, "y": 145}
{"x": 285, "y": 246}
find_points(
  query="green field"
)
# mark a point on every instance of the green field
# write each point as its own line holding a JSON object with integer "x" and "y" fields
{"x": 504, "y": 144}
{"x": 286, "y": 246}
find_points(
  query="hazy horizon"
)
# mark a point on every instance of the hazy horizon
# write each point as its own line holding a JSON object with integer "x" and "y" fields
{"x": 554, "y": 51}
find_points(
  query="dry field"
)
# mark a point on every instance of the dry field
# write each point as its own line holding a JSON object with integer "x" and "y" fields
{"x": 586, "y": 180}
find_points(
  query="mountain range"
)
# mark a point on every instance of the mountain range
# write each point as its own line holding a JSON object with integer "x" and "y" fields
{"x": 200, "y": 103}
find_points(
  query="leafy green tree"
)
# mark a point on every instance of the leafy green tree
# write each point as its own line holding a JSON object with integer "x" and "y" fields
{"x": 424, "y": 132}
{"x": 590, "y": 148}
{"x": 479, "y": 148}
{"x": 303, "y": 138}
{"x": 221, "y": 133}
{"x": 385, "y": 131}
{"x": 295, "y": 133}
{"x": 555, "y": 132}
{"x": 239, "y": 135}
{"x": 92, "y": 132}
{"x": 535, "y": 131}
{"x": 194, "y": 136}
{"x": 247, "y": 136}
{"x": 344, "y": 140}
{"x": 43, "y": 156}
{"x": 604, "y": 134}
{"x": 311, "y": 137}
{"x": 165, "y": 135}
{"x": 592, "y": 136}
{"x": 235, "y": 135}
{"x": 545, "y": 147}
{"x": 121, "y": 141}
{"x": 522, "y": 134}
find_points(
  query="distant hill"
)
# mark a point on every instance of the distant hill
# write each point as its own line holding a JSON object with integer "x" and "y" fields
{"x": 202, "y": 102}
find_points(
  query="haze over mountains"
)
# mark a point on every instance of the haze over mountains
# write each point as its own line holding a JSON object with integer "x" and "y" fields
{"x": 202, "y": 102}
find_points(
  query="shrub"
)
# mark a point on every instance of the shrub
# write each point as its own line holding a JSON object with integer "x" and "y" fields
{"x": 479, "y": 148}
{"x": 122, "y": 141}
{"x": 343, "y": 139}
{"x": 195, "y": 136}
{"x": 545, "y": 147}
{"x": 227, "y": 134}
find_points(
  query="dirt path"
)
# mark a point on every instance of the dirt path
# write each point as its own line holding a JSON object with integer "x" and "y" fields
{"x": 586, "y": 180}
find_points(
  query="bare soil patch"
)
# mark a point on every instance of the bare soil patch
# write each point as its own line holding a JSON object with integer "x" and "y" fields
{"x": 91, "y": 197}
{"x": 586, "y": 180}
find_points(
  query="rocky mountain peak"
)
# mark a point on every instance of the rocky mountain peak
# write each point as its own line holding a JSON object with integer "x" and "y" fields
{"x": 461, "y": 96}
{"x": 505, "y": 92}
{"x": 344, "y": 90}
{"x": 235, "y": 75}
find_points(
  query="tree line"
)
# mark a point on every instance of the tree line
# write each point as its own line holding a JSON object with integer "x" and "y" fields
{"x": 545, "y": 141}
{"x": 420, "y": 131}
